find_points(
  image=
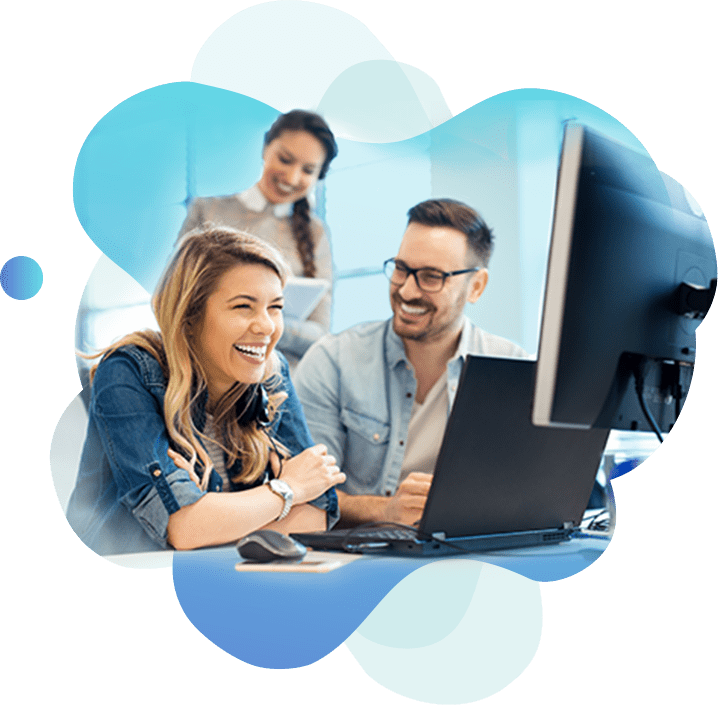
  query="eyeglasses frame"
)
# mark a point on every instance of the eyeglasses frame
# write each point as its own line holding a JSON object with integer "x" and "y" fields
{"x": 413, "y": 271}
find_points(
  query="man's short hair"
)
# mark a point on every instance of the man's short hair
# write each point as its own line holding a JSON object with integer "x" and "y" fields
{"x": 449, "y": 213}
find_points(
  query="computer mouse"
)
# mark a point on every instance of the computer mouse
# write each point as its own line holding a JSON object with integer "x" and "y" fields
{"x": 266, "y": 545}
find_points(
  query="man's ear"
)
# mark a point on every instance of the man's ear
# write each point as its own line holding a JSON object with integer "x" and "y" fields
{"x": 479, "y": 280}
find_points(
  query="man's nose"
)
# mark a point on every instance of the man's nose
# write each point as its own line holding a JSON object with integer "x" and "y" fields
{"x": 410, "y": 288}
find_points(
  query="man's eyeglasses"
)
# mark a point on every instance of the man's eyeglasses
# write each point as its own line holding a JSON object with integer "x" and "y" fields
{"x": 427, "y": 278}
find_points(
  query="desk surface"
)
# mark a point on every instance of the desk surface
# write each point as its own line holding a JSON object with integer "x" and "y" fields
{"x": 289, "y": 620}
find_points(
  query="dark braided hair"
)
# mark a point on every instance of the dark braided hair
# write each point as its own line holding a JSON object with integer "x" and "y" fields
{"x": 305, "y": 121}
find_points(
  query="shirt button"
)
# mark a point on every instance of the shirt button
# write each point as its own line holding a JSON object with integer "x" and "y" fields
{"x": 376, "y": 436}
{"x": 401, "y": 443}
{"x": 388, "y": 493}
{"x": 157, "y": 473}
{"x": 408, "y": 395}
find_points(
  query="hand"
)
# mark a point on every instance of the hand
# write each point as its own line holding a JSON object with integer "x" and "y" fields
{"x": 407, "y": 505}
{"x": 309, "y": 474}
{"x": 183, "y": 464}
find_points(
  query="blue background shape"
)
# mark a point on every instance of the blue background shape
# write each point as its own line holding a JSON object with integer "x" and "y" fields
{"x": 287, "y": 620}
{"x": 676, "y": 145}
{"x": 278, "y": 620}
{"x": 21, "y": 278}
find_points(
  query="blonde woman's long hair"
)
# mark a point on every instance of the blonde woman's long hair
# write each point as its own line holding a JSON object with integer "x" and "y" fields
{"x": 179, "y": 302}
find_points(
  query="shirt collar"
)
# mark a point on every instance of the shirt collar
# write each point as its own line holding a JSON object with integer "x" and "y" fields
{"x": 254, "y": 199}
{"x": 396, "y": 353}
{"x": 462, "y": 349}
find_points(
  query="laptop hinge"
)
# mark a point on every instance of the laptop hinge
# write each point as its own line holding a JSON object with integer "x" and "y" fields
{"x": 568, "y": 525}
{"x": 439, "y": 535}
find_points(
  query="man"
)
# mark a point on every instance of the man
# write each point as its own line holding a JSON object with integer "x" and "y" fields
{"x": 378, "y": 395}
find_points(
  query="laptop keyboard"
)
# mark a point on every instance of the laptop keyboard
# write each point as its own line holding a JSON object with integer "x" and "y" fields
{"x": 394, "y": 534}
{"x": 375, "y": 534}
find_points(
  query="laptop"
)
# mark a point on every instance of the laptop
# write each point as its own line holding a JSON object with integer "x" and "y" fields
{"x": 499, "y": 481}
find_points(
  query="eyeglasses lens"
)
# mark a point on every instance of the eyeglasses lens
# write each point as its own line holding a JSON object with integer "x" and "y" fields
{"x": 427, "y": 279}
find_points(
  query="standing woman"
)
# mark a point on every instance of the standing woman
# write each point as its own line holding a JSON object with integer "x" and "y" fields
{"x": 298, "y": 149}
{"x": 195, "y": 434}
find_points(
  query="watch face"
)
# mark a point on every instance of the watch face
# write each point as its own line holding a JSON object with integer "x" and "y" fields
{"x": 281, "y": 488}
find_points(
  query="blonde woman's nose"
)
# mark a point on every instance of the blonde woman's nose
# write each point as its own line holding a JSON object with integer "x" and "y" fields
{"x": 262, "y": 323}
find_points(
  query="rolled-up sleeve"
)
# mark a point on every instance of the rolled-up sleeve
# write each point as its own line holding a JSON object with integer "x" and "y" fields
{"x": 134, "y": 437}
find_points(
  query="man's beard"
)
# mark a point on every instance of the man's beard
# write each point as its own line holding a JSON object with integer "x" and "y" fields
{"x": 418, "y": 335}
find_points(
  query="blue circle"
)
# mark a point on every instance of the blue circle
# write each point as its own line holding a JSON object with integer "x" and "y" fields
{"x": 21, "y": 278}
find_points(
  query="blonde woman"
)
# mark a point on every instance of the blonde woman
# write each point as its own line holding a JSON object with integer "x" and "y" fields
{"x": 195, "y": 434}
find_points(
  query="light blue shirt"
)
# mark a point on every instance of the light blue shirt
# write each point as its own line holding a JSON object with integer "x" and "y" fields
{"x": 357, "y": 389}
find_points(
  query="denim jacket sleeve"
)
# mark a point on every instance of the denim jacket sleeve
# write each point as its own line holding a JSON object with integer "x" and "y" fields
{"x": 131, "y": 427}
{"x": 292, "y": 431}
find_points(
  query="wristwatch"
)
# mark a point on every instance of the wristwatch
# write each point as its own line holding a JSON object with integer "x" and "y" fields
{"x": 281, "y": 488}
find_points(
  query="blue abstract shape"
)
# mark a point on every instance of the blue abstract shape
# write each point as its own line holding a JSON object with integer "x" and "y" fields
{"x": 383, "y": 101}
{"x": 411, "y": 617}
{"x": 279, "y": 620}
{"x": 626, "y": 466}
{"x": 21, "y": 278}
{"x": 134, "y": 176}
{"x": 487, "y": 650}
{"x": 247, "y": 613}
{"x": 136, "y": 170}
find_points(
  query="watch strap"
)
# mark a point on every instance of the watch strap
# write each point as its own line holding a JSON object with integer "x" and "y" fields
{"x": 283, "y": 490}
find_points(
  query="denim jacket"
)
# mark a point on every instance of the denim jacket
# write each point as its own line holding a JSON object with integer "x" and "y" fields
{"x": 127, "y": 486}
{"x": 357, "y": 389}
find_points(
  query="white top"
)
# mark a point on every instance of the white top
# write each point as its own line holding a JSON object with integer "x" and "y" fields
{"x": 426, "y": 430}
{"x": 216, "y": 454}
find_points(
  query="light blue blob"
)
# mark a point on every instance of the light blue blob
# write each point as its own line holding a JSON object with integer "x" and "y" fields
{"x": 149, "y": 155}
{"x": 491, "y": 646}
{"x": 21, "y": 278}
{"x": 402, "y": 619}
{"x": 383, "y": 101}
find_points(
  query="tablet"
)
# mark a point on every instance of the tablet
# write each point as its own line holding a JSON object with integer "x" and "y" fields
{"x": 301, "y": 296}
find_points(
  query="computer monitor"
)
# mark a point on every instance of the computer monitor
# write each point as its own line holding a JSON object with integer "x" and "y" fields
{"x": 631, "y": 273}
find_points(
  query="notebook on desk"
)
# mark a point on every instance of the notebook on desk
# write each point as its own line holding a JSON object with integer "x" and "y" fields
{"x": 499, "y": 482}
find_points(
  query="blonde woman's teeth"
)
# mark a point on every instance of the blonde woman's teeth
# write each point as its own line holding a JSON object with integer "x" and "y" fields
{"x": 257, "y": 352}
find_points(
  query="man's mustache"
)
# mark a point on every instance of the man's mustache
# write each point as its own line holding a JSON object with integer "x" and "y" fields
{"x": 414, "y": 302}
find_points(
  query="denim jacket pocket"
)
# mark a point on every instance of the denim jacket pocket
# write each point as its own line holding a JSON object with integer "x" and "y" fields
{"x": 366, "y": 446}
